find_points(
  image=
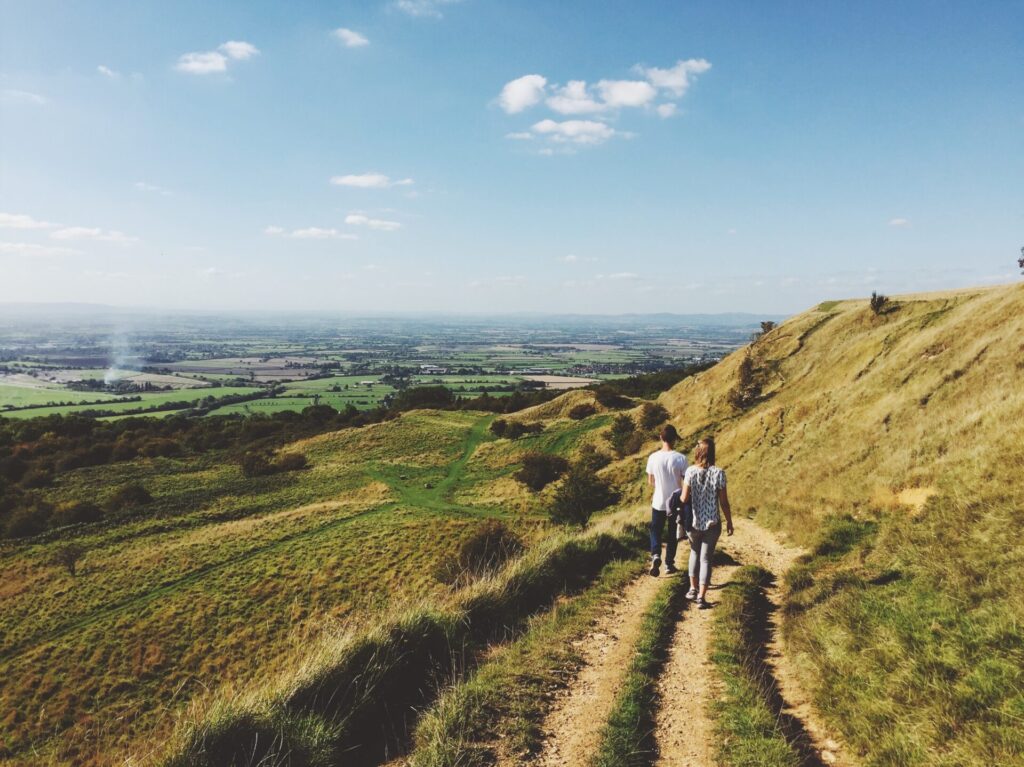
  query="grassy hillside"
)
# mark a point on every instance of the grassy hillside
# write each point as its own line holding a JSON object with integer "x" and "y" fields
{"x": 225, "y": 578}
{"x": 894, "y": 445}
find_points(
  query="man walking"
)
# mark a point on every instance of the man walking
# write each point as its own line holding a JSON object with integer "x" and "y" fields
{"x": 665, "y": 470}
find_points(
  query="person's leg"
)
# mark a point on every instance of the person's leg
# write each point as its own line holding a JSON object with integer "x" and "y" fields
{"x": 694, "y": 539}
{"x": 657, "y": 525}
{"x": 670, "y": 545}
{"x": 707, "y": 552}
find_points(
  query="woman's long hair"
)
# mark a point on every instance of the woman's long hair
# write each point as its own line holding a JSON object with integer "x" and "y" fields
{"x": 704, "y": 455}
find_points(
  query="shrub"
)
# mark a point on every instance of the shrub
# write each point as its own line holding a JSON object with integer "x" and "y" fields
{"x": 541, "y": 469}
{"x": 591, "y": 459}
{"x": 129, "y": 497}
{"x": 621, "y": 433}
{"x": 748, "y": 387}
{"x": 515, "y": 429}
{"x": 68, "y": 556}
{"x": 878, "y": 302}
{"x": 255, "y": 465}
{"x": 579, "y": 496}
{"x": 498, "y": 427}
{"x": 28, "y": 520}
{"x": 77, "y": 513}
{"x": 291, "y": 462}
{"x": 489, "y": 547}
{"x": 652, "y": 415}
{"x": 581, "y": 411}
{"x": 610, "y": 398}
{"x": 35, "y": 478}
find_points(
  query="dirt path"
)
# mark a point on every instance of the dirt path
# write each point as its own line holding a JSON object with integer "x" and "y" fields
{"x": 573, "y": 727}
{"x": 685, "y": 734}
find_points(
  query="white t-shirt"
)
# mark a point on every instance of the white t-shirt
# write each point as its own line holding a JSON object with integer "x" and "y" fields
{"x": 667, "y": 467}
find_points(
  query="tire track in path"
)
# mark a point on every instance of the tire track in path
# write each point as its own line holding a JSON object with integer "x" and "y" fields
{"x": 572, "y": 728}
{"x": 684, "y": 730}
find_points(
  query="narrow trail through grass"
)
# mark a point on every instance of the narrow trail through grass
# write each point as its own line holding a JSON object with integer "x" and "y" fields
{"x": 573, "y": 727}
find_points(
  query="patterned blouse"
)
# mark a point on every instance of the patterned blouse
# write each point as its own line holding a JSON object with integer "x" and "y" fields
{"x": 704, "y": 486}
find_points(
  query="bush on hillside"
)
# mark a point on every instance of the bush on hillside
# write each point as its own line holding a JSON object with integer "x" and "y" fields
{"x": 490, "y": 546}
{"x": 256, "y": 464}
{"x": 498, "y": 427}
{"x": 652, "y": 415}
{"x": 581, "y": 411}
{"x": 748, "y": 388}
{"x": 29, "y": 519}
{"x": 591, "y": 459}
{"x": 129, "y": 497}
{"x": 541, "y": 469}
{"x": 515, "y": 429}
{"x": 420, "y": 397}
{"x": 580, "y": 494}
{"x": 76, "y": 513}
{"x": 610, "y": 398}
{"x": 68, "y": 556}
{"x": 878, "y": 302}
{"x": 621, "y": 434}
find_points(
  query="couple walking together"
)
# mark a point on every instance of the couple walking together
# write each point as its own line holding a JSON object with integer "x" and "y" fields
{"x": 680, "y": 489}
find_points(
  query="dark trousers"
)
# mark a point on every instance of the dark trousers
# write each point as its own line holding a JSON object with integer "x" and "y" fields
{"x": 658, "y": 519}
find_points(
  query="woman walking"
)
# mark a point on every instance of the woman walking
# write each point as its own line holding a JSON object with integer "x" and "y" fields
{"x": 704, "y": 487}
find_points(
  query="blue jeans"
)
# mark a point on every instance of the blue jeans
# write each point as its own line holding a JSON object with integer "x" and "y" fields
{"x": 658, "y": 518}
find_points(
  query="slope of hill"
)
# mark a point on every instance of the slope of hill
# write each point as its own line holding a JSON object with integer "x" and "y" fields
{"x": 893, "y": 444}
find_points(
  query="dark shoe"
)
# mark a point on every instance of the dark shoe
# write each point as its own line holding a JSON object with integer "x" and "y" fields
{"x": 703, "y": 604}
{"x": 671, "y": 569}
{"x": 656, "y": 566}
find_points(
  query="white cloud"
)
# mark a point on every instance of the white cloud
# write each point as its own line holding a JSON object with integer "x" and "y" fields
{"x": 358, "y": 219}
{"x": 22, "y": 221}
{"x": 572, "y": 258}
{"x": 369, "y": 181}
{"x": 202, "y": 63}
{"x": 92, "y": 233}
{"x": 30, "y": 250}
{"x": 619, "y": 276}
{"x": 666, "y": 110}
{"x": 677, "y": 79}
{"x": 899, "y": 222}
{"x": 239, "y": 49}
{"x": 213, "y": 62}
{"x": 108, "y": 72}
{"x": 575, "y": 131}
{"x": 626, "y": 93}
{"x": 522, "y": 93}
{"x": 25, "y": 97}
{"x": 142, "y": 186}
{"x": 349, "y": 38}
{"x": 213, "y": 271}
{"x": 423, "y": 8}
{"x": 574, "y": 99}
{"x": 310, "y": 233}
{"x": 519, "y": 136}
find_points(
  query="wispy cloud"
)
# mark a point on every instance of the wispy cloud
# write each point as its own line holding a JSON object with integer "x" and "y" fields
{"x": 310, "y": 233}
{"x": 423, "y": 8}
{"x": 369, "y": 181}
{"x": 358, "y": 219}
{"x": 349, "y": 38}
{"x": 214, "y": 62}
{"x": 23, "y": 221}
{"x": 142, "y": 186}
{"x": 899, "y": 222}
{"x": 108, "y": 72}
{"x": 31, "y": 250}
{"x": 575, "y": 131}
{"x": 92, "y": 233}
{"x": 12, "y": 95}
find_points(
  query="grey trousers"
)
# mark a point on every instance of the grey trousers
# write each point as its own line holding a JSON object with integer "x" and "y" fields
{"x": 702, "y": 549}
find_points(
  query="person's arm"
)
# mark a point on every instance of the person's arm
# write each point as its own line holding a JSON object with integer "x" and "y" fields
{"x": 723, "y": 498}
{"x": 686, "y": 492}
{"x": 650, "y": 480}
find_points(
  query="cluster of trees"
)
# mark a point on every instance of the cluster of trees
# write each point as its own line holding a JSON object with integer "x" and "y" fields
{"x": 644, "y": 386}
{"x": 503, "y": 429}
{"x": 748, "y": 386}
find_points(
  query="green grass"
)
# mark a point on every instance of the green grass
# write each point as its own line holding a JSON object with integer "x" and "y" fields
{"x": 748, "y": 728}
{"x": 627, "y": 739}
{"x": 500, "y": 707}
{"x": 148, "y": 400}
{"x": 25, "y": 396}
{"x": 356, "y": 692}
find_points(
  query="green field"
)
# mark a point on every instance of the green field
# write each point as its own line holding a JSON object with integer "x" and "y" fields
{"x": 25, "y": 396}
{"x": 148, "y": 400}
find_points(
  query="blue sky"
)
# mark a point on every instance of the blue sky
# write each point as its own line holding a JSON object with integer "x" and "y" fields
{"x": 477, "y": 155}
